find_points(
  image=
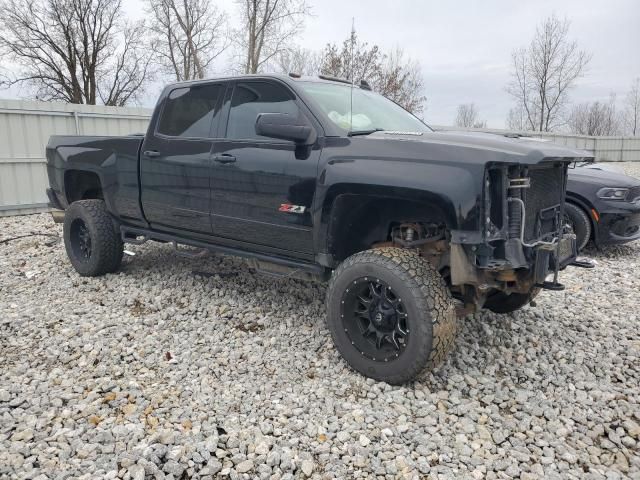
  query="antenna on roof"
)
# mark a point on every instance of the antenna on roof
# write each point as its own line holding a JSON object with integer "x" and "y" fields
{"x": 353, "y": 41}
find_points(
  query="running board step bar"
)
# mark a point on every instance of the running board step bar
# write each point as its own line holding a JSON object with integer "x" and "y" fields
{"x": 189, "y": 252}
{"x": 138, "y": 236}
{"x": 132, "y": 237}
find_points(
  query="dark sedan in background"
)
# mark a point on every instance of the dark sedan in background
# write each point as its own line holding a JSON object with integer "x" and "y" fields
{"x": 603, "y": 205}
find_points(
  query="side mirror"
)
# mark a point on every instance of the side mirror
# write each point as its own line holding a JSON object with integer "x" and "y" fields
{"x": 285, "y": 127}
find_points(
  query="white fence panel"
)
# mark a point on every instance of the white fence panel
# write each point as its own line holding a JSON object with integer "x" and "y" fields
{"x": 25, "y": 128}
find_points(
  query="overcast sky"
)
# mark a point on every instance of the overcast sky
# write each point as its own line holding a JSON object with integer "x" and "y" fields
{"x": 464, "y": 46}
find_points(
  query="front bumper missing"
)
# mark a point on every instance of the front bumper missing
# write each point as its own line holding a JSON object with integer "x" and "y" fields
{"x": 552, "y": 258}
{"x": 567, "y": 250}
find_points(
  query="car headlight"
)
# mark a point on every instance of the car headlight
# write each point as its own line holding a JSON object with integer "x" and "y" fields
{"x": 611, "y": 193}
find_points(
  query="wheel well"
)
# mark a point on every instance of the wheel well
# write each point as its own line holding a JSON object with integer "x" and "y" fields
{"x": 359, "y": 221}
{"x": 81, "y": 185}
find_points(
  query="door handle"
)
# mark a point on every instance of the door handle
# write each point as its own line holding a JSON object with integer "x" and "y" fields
{"x": 151, "y": 153}
{"x": 224, "y": 158}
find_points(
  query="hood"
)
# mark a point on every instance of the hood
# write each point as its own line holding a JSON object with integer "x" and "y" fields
{"x": 610, "y": 167}
{"x": 602, "y": 178}
{"x": 520, "y": 149}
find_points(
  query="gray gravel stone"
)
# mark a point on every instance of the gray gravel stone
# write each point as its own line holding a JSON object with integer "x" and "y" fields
{"x": 499, "y": 436}
{"x": 155, "y": 371}
{"x": 174, "y": 468}
{"x": 5, "y": 396}
{"x": 307, "y": 467}
{"x": 245, "y": 466}
{"x": 137, "y": 472}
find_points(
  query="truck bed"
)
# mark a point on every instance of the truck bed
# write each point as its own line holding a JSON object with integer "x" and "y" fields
{"x": 113, "y": 160}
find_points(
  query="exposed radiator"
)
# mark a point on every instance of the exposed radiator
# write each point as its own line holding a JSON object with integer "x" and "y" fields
{"x": 542, "y": 200}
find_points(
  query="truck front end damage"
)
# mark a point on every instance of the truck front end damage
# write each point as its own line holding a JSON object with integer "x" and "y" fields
{"x": 523, "y": 240}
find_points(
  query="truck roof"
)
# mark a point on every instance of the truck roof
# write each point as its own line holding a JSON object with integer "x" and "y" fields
{"x": 291, "y": 78}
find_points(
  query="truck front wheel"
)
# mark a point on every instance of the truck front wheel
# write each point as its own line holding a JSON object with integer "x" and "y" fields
{"x": 390, "y": 314}
{"x": 93, "y": 244}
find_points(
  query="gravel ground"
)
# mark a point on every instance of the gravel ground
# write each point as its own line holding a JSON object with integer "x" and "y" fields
{"x": 631, "y": 168}
{"x": 180, "y": 369}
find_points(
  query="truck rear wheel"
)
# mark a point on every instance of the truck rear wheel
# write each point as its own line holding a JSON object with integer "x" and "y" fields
{"x": 390, "y": 314}
{"x": 93, "y": 244}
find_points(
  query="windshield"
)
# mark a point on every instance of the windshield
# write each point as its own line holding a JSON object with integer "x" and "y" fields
{"x": 371, "y": 111}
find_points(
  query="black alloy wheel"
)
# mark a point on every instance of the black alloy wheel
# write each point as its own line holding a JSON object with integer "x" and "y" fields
{"x": 390, "y": 314}
{"x": 374, "y": 319}
{"x": 80, "y": 239}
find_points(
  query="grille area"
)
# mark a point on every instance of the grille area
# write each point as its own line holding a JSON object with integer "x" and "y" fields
{"x": 634, "y": 194}
{"x": 541, "y": 200}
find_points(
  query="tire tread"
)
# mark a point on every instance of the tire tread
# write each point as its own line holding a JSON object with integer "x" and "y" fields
{"x": 430, "y": 293}
{"x": 110, "y": 243}
{"x": 577, "y": 212}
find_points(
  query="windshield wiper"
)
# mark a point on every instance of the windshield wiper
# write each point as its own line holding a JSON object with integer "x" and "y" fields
{"x": 355, "y": 133}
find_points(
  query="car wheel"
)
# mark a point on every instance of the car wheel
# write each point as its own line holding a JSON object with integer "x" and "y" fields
{"x": 501, "y": 302}
{"x": 390, "y": 314}
{"x": 93, "y": 244}
{"x": 577, "y": 218}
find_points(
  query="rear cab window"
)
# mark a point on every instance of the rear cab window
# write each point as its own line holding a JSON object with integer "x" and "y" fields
{"x": 189, "y": 112}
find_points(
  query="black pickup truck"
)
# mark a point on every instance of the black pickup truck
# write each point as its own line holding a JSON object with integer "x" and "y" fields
{"x": 314, "y": 177}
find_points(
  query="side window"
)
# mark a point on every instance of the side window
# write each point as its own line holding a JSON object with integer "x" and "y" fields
{"x": 189, "y": 111}
{"x": 251, "y": 99}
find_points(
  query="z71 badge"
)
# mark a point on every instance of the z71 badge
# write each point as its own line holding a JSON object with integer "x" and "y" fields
{"x": 285, "y": 207}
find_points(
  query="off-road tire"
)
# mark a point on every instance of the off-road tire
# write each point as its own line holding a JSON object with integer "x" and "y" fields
{"x": 580, "y": 223}
{"x": 106, "y": 245}
{"x": 501, "y": 302}
{"x": 430, "y": 308}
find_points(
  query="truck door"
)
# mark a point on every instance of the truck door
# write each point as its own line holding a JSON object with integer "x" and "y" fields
{"x": 175, "y": 159}
{"x": 262, "y": 188}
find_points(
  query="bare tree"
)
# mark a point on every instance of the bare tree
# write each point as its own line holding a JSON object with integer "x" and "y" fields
{"x": 517, "y": 119}
{"x": 121, "y": 78}
{"x": 631, "y": 114}
{"x": 267, "y": 29}
{"x": 298, "y": 60}
{"x": 596, "y": 119}
{"x": 544, "y": 72}
{"x": 354, "y": 60}
{"x": 467, "y": 117}
{"x": 188, "y": 36}
{"x": 401, "y": 80}
{"x": 78, "y": 51}
{"x": 390, "y": 74}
